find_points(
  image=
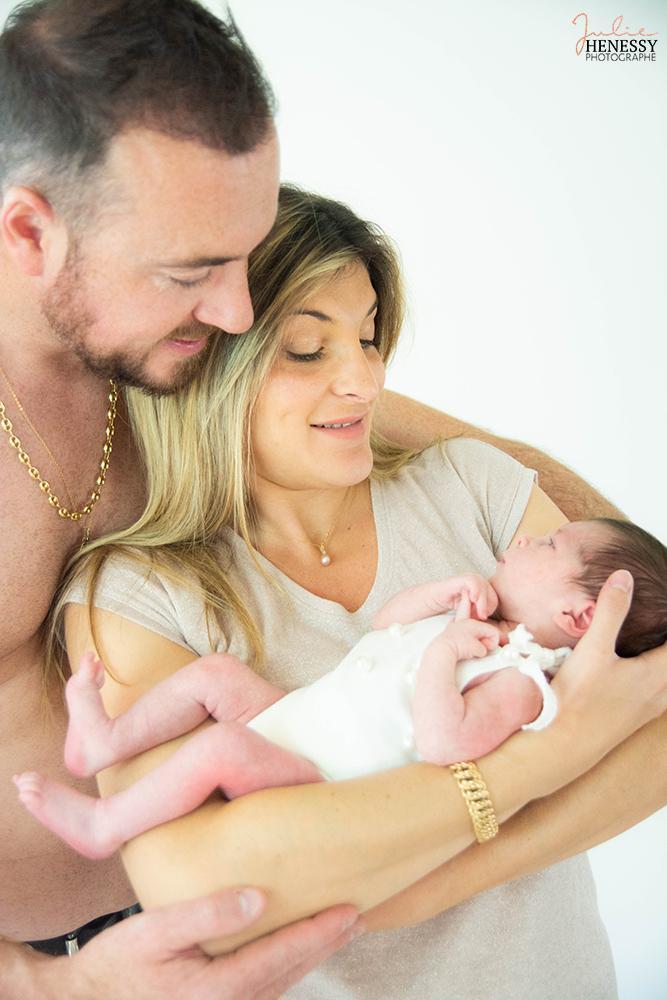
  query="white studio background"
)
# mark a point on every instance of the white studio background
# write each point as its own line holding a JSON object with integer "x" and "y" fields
{"x": 525, "y": 189}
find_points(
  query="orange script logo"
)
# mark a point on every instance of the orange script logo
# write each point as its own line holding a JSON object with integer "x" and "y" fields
{"x": 617, "y": 45}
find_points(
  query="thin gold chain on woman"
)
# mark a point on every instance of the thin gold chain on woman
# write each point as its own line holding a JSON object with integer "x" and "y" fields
{"x": 44, "y": 485}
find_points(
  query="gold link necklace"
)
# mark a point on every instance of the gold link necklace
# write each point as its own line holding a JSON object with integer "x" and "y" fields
{"x": 65, "y": 512}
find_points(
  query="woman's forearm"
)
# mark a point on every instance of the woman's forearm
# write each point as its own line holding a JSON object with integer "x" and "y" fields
{"x": 621, "y": 790}
{"x": 415, "y": 425}
{"x": 358, "y": 841}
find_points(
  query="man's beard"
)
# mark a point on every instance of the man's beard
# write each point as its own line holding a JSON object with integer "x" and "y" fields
{"x": 70, "y": 320}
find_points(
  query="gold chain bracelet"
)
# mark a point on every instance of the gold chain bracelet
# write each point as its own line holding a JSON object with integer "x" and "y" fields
{"x": 477, "y": 799}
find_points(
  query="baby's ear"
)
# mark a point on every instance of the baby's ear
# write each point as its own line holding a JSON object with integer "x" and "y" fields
{"x": 575, "y": 623}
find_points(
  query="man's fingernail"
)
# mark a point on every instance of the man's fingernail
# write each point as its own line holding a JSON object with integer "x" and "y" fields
{"x": 621, "y": 579}
{"x": 251, "y": 902}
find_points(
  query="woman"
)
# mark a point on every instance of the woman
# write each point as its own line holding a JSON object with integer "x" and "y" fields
{"x": 277, "y": 524}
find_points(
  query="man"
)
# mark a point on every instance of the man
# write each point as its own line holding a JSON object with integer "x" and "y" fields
{"x": 127, "y": 221}
{"x": 139, "y": 169}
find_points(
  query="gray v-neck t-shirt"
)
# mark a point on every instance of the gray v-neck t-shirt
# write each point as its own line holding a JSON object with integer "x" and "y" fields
{"x": 452, "y": 510}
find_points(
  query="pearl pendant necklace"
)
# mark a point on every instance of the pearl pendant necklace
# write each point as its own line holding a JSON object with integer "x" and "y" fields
{"x": 325, "y": 557}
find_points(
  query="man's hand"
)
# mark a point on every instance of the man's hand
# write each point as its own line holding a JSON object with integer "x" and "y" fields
{"x": 156, "y": 955}
{"x": 602, "y": 695}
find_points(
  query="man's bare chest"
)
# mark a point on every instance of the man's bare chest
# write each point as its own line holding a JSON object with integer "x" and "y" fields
{"x": 47, "y": 889}
{"x": 36, "y": 543}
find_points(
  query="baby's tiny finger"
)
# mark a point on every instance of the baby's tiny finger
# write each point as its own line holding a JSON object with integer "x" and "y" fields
{"x": 463, "y": 607}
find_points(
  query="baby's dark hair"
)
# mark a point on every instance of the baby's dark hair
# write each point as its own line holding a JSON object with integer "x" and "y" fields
{"x": 628, "y": 547}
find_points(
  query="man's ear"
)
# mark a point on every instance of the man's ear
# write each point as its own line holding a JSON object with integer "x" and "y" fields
{"x": 28, "y": 225}
{"x": 575, "y": 623}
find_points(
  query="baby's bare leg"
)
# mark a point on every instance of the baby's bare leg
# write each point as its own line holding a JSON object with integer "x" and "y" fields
{"x": 226, "y": 755}
{"x": 218, "y": 685}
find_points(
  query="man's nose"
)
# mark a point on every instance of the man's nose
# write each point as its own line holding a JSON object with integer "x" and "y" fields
{"x": 226, "y": 301}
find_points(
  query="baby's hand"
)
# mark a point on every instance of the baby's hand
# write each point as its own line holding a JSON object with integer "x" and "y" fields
{"x": 470, "y": 595}
{"x": 471, "y": 639}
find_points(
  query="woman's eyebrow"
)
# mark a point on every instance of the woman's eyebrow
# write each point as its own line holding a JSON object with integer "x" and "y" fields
{"x": 316, "y": 314}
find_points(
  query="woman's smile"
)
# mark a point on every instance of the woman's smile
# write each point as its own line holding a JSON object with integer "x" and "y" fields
{"x": 344, "y": 429}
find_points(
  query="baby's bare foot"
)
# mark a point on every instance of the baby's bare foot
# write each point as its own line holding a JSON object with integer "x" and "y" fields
{"x": 87, "y": 749}
{"x": 68, "y": 813}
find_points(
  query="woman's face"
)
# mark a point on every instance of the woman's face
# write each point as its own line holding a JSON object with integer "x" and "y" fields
{"x": 312, "y": 421}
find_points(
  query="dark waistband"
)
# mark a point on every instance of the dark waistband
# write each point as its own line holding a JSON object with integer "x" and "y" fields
{"x": 69, "y": 944}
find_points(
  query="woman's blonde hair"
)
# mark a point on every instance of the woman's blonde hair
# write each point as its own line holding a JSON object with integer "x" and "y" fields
{"x": 195, "y": 444}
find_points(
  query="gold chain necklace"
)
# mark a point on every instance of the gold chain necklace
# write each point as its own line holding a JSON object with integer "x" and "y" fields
{"x": 325, "y": 557}
{"x": 30, "y": 424}
{"x": 34, "y": 473}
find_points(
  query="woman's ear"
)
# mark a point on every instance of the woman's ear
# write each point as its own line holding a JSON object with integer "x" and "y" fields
{"x": 28, "y": 225}
{"x": 575, "y": 623}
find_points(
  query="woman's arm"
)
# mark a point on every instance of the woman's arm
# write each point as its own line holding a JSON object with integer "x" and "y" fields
{"x": 282, "y": 839}
{"x": 415, "y": 425}
{"x": 620, "y": 791}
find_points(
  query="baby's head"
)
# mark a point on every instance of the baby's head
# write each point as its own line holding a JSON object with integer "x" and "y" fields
{"x": 551, "y": 583}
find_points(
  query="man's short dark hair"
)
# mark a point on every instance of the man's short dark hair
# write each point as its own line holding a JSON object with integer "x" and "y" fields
{"x": 627, "y": 546}
{"x": 76, "y": 73}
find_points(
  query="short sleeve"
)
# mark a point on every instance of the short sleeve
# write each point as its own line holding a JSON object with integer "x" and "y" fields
{"x": 500, "y": 486}
{"x": 133, "y": 591}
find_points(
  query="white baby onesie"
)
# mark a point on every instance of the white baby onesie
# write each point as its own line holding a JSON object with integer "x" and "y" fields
{"x": 357, "y": 719}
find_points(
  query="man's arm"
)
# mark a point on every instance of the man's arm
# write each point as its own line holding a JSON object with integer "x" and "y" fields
{"x": 415, "y": 425}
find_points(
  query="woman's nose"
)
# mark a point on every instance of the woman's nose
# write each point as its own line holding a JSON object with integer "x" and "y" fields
{"x": 359, "y": 374}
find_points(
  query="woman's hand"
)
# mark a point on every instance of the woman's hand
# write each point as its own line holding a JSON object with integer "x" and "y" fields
{"x": 605, "y": 697}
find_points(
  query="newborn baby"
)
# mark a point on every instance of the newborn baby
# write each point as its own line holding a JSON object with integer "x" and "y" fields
{"x": 435, "y": 681}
